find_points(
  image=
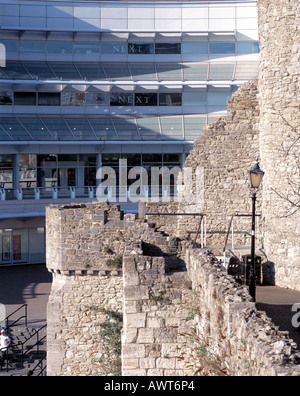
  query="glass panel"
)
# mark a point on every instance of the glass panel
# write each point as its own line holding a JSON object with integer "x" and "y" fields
{"x": 194, "y": 48}
{"x": 171, "y": 159}
{"x": 152, "y": 160}
{"x": 80, "y": 128}
{"x": 117, "y": 71}
{"x": 97, "y": 99}
{"x": 140, "y": 49}
{"x": 58, "y": 128}
{"x": 142, "y": 72}
{"x": 221, "y": 72}
{"x": 149, "y": 128}
{"x": 193, "y": 127}
{"x": 20, "y": 246}
{"x": 121, "y": 99}
{"x": 114, "y": 48}
{"x": 103, "y": 128}
{"x": 218, "y": 98}
{"x": 222, "y": 48}
{"x": 36, "y": 128}
{"x": 126, "y": 129}
{"x": 11, "y": 46}
{"x": 58, "y": 47}
{"x": 15, "y": 70}
{"x": 48, "y": 99}
{"x": 172, "y": 128}
{"x": 91, "y": 71}
{"x": 47, "y": 171}
{"x": 247, "y": 48}
{"x": 169, "y": 71}
{"x": 194, "y": 98}
{"x": 167, "y": 49}
{"x": 72, "y": 98}
{"x": 25, "y": 98}
{"x": 170, "y": 99}
{"x": 6, "y": 98}
{"x": 34, "y": 47}
{"x": 40, "y": 71}
{"x": 28, "y": 172}
{"x": 145, "y": 99}
{"x": 65, "y": 71}
{"x": 195, "y": 72}
{"x": 86, "y": 48}
{"x": 14, "y": 128}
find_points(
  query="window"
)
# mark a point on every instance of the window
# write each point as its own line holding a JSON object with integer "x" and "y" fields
{"x": 247, "y": 48}
{"x": 37, "y": 47}
{"x": 218, "y": 98}
{"x": 58, "y": 47}
{"x": 167, "y": 49}
{"x": 221, "y": 72}
{"x": 140, "y": 49}
{"x": 170, "y": 99}
{"x": 11, "y": 46}
{"x": 194, "y": 98}
{"x": 72, "y": 98}
{"x": 194, "y": 48}
{"x": 222, "y": 48}
{"x": 49, "y": 99}
{"x": 145, "y": 99}
{"x": 97, "y": 99}
{"x": 114, "y": 48}
{"x": 6, "y": 98}
{"x": 25, "y": 98}
{"x": 121, "y": 99}
{"x": 86, "y": 48}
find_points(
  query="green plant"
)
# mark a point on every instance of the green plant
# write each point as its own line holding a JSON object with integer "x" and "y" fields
{"x": 116, "y": 262}
{"x": 108, "y": 250}
{"x": 111, "y": 336}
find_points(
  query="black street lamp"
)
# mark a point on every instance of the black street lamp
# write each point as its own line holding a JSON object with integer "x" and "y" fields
{"x": 256, "y": 176}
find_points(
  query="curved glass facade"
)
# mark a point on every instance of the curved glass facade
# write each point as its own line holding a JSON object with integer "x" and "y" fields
{"x": 87, "y": 83}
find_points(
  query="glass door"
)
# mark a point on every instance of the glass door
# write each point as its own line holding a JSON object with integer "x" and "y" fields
{"x": 14, "y": 247}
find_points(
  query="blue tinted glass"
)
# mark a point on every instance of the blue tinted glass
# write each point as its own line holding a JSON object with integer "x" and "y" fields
{"x": 222, "y": 48}
{"x": 58, "y": 47}
{"x": 86, "y": 48}
{"x": 140, "y": 49}
{"x": 167, "y": 49}
{"x": 195, "y": 48}
{"x": 10, "y": 46}
{"x": 32, "y": 46}
{"x": 114, "y": 48}
{"x": 248, "y": 48}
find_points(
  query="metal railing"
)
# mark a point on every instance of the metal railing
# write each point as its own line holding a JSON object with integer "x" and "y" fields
{"x": 25, "y": 317}
{"x": 231, "y": 229}
{"x": 201, "y": 228}
{"x": 36, "y": 344}
{"x": 90, "y": 192}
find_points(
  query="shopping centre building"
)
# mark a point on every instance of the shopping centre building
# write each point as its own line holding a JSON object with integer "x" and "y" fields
{"x": 87, "y": 83}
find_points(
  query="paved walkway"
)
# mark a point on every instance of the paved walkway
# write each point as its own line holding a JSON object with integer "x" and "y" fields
{"x": 278, "y": 303}
{"x": 28, "y": 284}
{"x": 32, "y": 284}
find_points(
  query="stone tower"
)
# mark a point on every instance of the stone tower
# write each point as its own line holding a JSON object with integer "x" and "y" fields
{"x": 279, "y": 88}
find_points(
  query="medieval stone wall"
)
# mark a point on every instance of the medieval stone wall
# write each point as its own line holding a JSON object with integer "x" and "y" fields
{"x": 170, "y": 296}
{"x": 215, "y": 180}
{"x": 279, "y": 83}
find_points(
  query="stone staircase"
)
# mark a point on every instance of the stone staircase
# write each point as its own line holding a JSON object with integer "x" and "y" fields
{"x": 27, "y": 352}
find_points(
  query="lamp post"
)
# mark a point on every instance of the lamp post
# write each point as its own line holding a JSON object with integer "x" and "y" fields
{"x": 256, "y": 176}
